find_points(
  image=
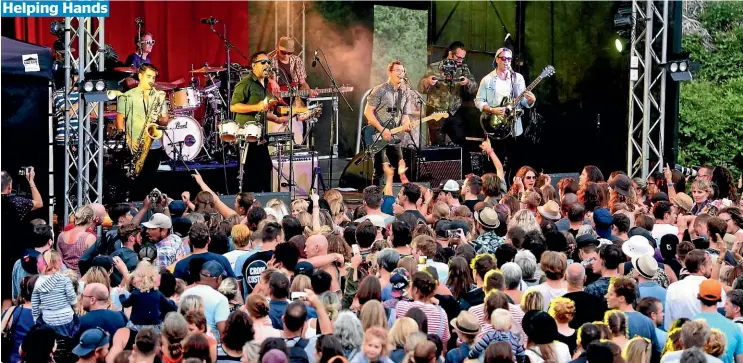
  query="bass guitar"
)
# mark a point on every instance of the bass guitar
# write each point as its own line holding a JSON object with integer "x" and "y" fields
{"x": 304, "y": 93}
{"x": 500, "y": 127}
{"x": 298, "y": 124}
{"x": 370, "y": 134}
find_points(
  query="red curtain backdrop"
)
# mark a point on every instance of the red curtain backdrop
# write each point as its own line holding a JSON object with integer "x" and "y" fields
{"x": 180, "y": 38}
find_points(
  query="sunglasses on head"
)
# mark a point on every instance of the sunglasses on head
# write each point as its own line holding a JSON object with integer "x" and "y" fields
{"x": 263, "y": 61}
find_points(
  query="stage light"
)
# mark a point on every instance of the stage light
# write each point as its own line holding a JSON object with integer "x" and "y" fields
{"x": 680, "y": 69}
{"x": 618, "y": 45}
{"x": 94, "y": 90}
{"x": 57, "y": 29}
{"x": 100, "y": 86}
{"x": 88, "y": 86}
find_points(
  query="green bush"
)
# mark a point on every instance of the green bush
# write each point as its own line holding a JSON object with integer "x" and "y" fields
{"x": 711, "y": 106}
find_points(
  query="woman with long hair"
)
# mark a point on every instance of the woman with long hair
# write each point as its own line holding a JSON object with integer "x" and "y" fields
{"x": 525, "y": 180}
{"x": 257, "y": 308}
{"x": 460, "y": 277}
{"x": 238, "y": 330}
{"x": 337, "y": 207}
{"x": 723, "y": 178}
{"x": 174, "y": 330}
{"x": 327, "y": 347}
{"x": 372, "y": 314}
{"x": 617, "y": 322}
{"x": 526, "y": 220}
{"x": 347, "y": 328}
{"x": 73, "y": 243}
{"x": 398, "y": 335}
{"x": 422, "y": 291}
{"x": 590, "y": 173}
{"x": 638, "y": 350}
{"x": 541, "y": 329}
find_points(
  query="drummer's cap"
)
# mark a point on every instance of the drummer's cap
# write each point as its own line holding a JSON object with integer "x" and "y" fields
{"x": 286, "y": 44}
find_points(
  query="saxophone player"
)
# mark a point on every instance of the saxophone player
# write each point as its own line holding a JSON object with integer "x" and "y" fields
{"x": 138, "y": 108}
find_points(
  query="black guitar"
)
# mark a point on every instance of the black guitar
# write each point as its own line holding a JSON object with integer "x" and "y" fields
{"x": 500, "y": 127}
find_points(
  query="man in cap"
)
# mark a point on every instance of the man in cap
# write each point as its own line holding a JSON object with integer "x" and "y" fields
{"x": 289, "y": 66}
{"x": 467, "y": 327}
{"x": 400, "y": 282}
{"x": 93, "y": 346}
{"x": 216, "y": 306}
{"x": 588, "y": 254}
{"x": 710, "y": 294}
{"x": 645, "y": 268}
{"x": 603, "y": 220}
{"x": 734, "y": 307}
{"x": 451, "y": 192}
{"x": 41, "y": 239}
{"x": 486, "y": 222}
{"x": 169, "y": 246}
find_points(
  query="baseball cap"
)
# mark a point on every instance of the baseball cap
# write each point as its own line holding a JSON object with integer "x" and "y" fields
{"x": 451, "y": 186}
{"x": 586, "y": 240}
{"x": 710, "y": 290}
{"x": 668, "y": 244}
{"x": 181, "y": 226}
{"x": 400, "y": 280}
{"x": 159, "y": 220}
{"x": 466, "y": 323}
{"x": 443, "y": 225}
{"x": 177, "y": 208}
{"x": 657, "y": 197}
{"x": 621, "y": 184}
{"x": 646, "y": 266}
{"x": 105, "y": 262}
{"x": 603, "y": 220}
{"x": 637, "y": 246}
{"x": 212, "y": 269}
{"x": 91, "y": 340}
{"x": 28, "y": 261}
{"x": 304, "y": 268}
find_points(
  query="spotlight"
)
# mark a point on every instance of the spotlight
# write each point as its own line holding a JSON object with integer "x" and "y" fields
{"x": 680, "y": 69}
{"x": 88, "y": 86}
{"x": 57, "y": 29}
{"x": 100, "y": 86}
{"x": 94, "y": 90}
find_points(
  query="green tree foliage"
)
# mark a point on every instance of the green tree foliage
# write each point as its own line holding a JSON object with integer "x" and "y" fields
{"x": 399, "y": 34}
{"x": 711, "y": 106}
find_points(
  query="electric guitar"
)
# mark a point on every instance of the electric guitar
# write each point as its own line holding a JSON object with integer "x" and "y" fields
{"x": 500, "y": 127}
{"x": 298, "y": 124}
{"x": 375, "y": 143}
{"x": 304, "y": 93}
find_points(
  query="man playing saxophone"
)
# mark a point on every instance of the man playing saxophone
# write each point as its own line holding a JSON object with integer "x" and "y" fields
{"x": 139, "y": 111}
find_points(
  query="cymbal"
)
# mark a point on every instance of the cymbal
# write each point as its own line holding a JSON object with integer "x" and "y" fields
{"x": 126, "y": 69}
{"x": 165, "y": 86}
{"x": 208, "y": 70}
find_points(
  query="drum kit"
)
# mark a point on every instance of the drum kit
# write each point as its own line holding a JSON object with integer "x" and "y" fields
{"x": 199, "y": 127}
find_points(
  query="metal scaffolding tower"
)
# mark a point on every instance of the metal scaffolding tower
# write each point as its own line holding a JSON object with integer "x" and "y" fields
{"x": 84, "y": 53}
{"x": 647, "y": 98}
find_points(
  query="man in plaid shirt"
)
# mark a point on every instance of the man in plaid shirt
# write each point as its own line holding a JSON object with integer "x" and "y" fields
{"x": 170, "y": 248}
{"x": 445, "y": 95}
{"x": 289, "y": 66}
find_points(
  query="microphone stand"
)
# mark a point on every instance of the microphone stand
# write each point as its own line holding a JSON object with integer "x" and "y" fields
{"x": 292, "y": 94}
{"x": 228, "y": 45}
{"x": 334, "y": 119}
{"x": 418, "y": 151}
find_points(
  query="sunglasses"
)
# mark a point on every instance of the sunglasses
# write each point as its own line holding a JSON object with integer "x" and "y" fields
{"x": 506, "y": 59}
{"x": 530, "y": 177}
{"x": 285, "y": 52}
{"x": 148, "y": 42}
{"x": 264, "y": 61}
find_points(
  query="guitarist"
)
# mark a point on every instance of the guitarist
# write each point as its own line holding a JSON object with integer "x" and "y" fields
{"x": 289, "y": 66}
{"x": 389, "y": 103}
{"x": 503, "y": 82}
{"x": 248, "y": 102}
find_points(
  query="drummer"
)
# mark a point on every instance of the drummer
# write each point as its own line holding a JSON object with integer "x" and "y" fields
{"x": 140, "y": 56}
{"x": 250, "y": 104}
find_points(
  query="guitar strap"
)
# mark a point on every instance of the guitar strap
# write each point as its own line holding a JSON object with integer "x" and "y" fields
{"x": 398, "y": 103}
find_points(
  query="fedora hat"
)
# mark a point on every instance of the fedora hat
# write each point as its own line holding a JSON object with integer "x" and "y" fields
{"x": 550, "y": 210}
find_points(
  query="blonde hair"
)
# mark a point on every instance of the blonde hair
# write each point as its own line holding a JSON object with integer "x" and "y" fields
{"x": 300, "y": 283}
{"x": 52, "y": 260}
{"x": 144, "y": 276}
{"x": 501, "y": 319}
{"x": 240, "y": 235}
{"x": 97, "y": 274}
{"x": 532, "y": 300}
{"x": 305, "y": 219}
{"x": 400, "y": 332}
{"x": 335, "y": 201}
{"x": 526, "y": 220}
{"x": 300, "y": 205}
{"x": 332, "y": 304}
{"x": 190, "y": 303}
{"x": 376, "y": 332}
{"x": 617, "y": 323}
{"x": 562, "y": 309}
{"x": 228, "y": 288}
{"x": 372, "y": 315}
{"x": 84, "y": 215}
{"x": 716, "y": 343}
{"x": 409, "y": 264}
{"x": 637, "y": 350}
{"x": 441, "y": 210}
{"x": 703, "y": 185}
{"x": 276, "y": 208}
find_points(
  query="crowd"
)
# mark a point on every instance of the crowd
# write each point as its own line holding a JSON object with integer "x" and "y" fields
{"x": 590, "y": 270}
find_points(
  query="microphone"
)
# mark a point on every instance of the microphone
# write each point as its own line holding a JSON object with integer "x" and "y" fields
{"x": 210, "y": 20}
{"x": 138, "y": 21}
{"x": 314, "y": 59}
{"x": 507, "y": 36}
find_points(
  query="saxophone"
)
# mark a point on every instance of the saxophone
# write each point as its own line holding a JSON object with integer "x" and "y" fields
{"x": 149, "y": 132}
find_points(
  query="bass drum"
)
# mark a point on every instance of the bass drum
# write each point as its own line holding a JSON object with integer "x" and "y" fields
{"x": 183, "y": 138}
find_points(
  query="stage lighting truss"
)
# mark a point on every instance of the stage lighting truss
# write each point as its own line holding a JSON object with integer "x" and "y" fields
{"x": 680, "y": 69}
{"x": 83, "y": 182}
{"x": 647, "y": 91}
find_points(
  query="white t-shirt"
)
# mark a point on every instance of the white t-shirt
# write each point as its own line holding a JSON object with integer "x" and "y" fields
{"x": 216, "y": 306}
{"x": 660, "y": 230}
{"x": 548, "y": 293}
{"x": 232, "y": 257}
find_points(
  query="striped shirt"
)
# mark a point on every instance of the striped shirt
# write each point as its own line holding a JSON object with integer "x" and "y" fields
{"x": 60, "y": 116}
{"x": 52, "y": 299}
{"x": 517, "y": 315}
{"x": 438, "y": 322}
{"x": 497, "y": 336}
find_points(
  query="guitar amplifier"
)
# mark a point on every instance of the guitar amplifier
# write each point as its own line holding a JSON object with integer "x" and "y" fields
{"x": 436, "y": 165}
{"x": 303, "y": 167}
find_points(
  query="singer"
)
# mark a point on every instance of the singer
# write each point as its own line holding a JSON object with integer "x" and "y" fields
{"x": 290, "y": 66}
{"x": 388, "y": 106}
{"x": 133, "y": 109}
{"x": 249, "y": 103}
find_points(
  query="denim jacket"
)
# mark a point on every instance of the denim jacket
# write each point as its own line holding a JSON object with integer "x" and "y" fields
{"x": 486, "y": 95}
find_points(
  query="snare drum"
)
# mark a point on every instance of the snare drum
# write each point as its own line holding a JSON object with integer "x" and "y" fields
{"x": 183, "y": 136}
{"x": 185, "y": 99}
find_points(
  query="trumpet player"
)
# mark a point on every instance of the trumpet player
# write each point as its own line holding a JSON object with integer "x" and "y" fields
{"x": 140, "y": 111}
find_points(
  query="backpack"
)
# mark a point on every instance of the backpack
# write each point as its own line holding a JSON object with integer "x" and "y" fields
{"x": 103, "y": 246}
{"x": 297, "y": 354}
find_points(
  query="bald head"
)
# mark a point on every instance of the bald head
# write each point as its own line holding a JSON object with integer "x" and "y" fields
{"x": 575, "y": 274}
{"x": 95, "y": 296}
{"x": 99, "y": 210}
{"x": 567, "y": 200}
{"x": 316, "y": 245}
